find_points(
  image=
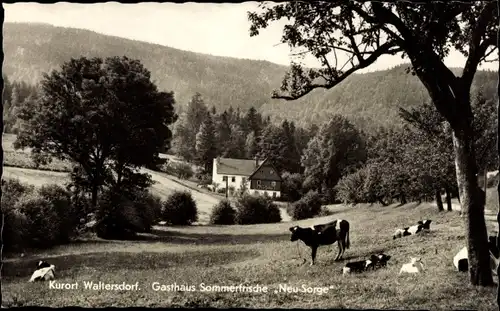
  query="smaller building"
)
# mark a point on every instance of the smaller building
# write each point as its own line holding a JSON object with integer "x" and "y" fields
{"x": 258, "y": 177}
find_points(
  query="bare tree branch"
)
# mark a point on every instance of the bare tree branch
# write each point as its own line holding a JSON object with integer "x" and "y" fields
{"x": 476, "y": 48}
{"x": 384, "y": 49}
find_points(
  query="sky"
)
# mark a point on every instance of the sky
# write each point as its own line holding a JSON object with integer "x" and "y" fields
{"x": 210, "y": 28}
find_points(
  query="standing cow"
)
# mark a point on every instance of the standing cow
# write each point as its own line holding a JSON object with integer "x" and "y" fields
{"x": 323, "y": 234}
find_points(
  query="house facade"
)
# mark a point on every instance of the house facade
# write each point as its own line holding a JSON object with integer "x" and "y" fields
{"x": 258, "y": 177}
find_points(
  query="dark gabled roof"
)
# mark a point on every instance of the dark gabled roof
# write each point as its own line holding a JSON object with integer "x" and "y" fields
{"x": 242, "y": 167}
{"x": 262, "y": 164}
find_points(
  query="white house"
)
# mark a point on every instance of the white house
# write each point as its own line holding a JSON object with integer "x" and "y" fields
{"x": 259, "y": 177}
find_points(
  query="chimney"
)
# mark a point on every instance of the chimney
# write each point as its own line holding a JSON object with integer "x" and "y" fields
{"x": 256, "y": 161}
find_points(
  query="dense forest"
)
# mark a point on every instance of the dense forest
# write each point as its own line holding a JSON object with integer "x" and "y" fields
{"x": 369, "y": 99}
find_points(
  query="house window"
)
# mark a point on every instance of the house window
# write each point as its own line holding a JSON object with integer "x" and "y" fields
{"x": 274, "y": 194}
{"x": 273, "y": 183}
{"x": 258, "y": 182}
{"x": 233, "y": 179}
{"x": 224, "y": 178}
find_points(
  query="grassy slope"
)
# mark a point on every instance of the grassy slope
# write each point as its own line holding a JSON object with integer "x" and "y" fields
{"x": 262, "y": 254}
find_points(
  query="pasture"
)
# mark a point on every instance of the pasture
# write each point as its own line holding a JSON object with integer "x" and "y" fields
{"x": 261, "y": 255}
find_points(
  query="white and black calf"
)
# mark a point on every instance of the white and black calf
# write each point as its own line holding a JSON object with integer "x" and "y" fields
{"x": 415, "y": 229}
{"x": 44, "y": 272}
{"x": 323, "y": 234}
{"x": 375, "y": 261}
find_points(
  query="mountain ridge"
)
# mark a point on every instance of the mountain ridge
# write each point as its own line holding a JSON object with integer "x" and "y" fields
{"x": 31, "y": 49}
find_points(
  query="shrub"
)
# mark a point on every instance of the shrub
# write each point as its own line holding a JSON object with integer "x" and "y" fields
{"x": 179, "y": 169}
{"x": 292, "y": 186}
{"x": 42, "y": 221}
{"x": 203, "y": 178}
{"x": 221, "y": 190}
{"x": 12, "y": 191}
{"x": 121, "y": 214}
{"x": 14, "y": 231}
{"x": 116, "y": 216}
{"x": 325, "y": 212}
{"x": 180, "y": 209}
{"x": 60, "y": 200}
{"x": 148, "y": 207}
{"x": 256, "y": 210}
{"x": 350, "y": 188}
{"x": 223, "y": 214}
{"x": 307, "y": 207}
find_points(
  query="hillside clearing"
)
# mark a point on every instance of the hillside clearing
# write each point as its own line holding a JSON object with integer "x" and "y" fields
{"x": 261, "y": 255}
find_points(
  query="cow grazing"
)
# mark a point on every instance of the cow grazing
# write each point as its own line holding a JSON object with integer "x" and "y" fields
{"x": 461, "y": 261}
{"x": 414, "y": 266}
{"x": 412, "y": 230}
{"x": 323, "y": 234}
{"x": 43, "y": 272}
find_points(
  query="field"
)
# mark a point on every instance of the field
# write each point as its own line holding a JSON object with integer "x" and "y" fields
{"x": 254, "y": 255}
{"x": 260, "y": 255}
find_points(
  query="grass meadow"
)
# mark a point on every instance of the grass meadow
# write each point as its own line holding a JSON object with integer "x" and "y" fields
{"x": 252, "y": 255}
{"x": 261, "y": 255}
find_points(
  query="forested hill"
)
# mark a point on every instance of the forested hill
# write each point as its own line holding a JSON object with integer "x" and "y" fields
{"x": 31, "y": 49}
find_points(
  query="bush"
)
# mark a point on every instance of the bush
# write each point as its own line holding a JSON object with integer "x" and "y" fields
{"x": 122, "y": 215}
{"x": 39, "y": 218}
{"x": 180, "y": 209}
{"x": 60, "y": 200}
{"x": 350, "y": 188}
{"x": 12, "y": 191}
{"x": 292, "y": 186}
{"x": 42, "y": 221}
{"x": 179, "y": 169}
{"x": 223, "y": 214}
{"x": 204, "y": 179}
{"x": 116, "y": 216}
{"x": 307, "y": 207}
{"x": 14, "y": 234}
{"x": 256, "y": 210}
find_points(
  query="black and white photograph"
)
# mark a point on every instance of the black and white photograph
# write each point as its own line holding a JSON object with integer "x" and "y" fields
{"x": 288, "y": 155}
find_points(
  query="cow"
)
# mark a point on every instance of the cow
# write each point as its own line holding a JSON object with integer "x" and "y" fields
{"x": 415, "y": 229}
{"x": 358, "y": 266}
{"x": 461, "y": 260}
{"x": 414, "y": 266}
{"x": 44, "y": 272}
{"x": 381, "y": 260}
{"x": 323, "y": 234}
{"x": 375, "y": 261}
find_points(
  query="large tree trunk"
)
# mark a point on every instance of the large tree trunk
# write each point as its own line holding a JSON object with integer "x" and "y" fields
{"x": 448, "y": 199}
{"x": 498, "y": 150}
{"x": 472, "y": 202}
{"x": 439, "y": 201}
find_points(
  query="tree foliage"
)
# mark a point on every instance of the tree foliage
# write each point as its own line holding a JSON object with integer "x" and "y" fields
{"x": 98, "y": 113}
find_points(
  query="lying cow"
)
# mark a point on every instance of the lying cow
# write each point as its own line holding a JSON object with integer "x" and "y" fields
{"x": 414, "y": 266}
{"x": 419, "y": 227}
{"x": 461, "y": 261}
{"x": 44, "y": 272}
{"x": 379, "y": 260}
{"x": 323, "y": 234}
